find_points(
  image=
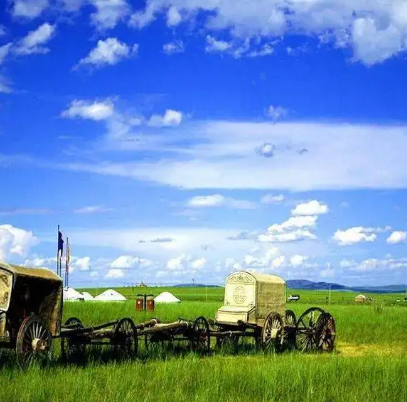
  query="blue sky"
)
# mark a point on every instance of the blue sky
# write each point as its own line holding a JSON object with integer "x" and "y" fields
{"x": 183, "y": 140}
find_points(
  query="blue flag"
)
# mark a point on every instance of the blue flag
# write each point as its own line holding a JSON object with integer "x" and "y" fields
{"x": 60, "y": 244}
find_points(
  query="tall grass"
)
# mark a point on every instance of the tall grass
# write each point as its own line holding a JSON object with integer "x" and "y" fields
{"x": 368, "y": 365}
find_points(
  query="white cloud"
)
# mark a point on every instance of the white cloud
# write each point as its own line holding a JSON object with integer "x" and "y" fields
{"x": 296, "y": 227}
{"x": 83, "y": 263}
{"x": 222, "y": 155}
{"x": 34, "y": 41}
{"x": 178, "y": 263}
{"x": 354, "y": 235}
{"x": 384, "y": 266}
{"x": 397, "y": 237}
{"x": 198, "y": 264}
{"x": 4, "y": 51}
{"x": 213, "y": 45}
{"x": 29, "y": 8}
{"x": 170, "y": 118}
{"x": 92, "y": 209}
{"x": 298, "y": 260}
{"x": 109, "y": 52}
{"x": 108, "y": 12}
{"x": 15, "y": 241}
{"x": 173, "y": 17}
{"x": 97, "y": 110}
{"x": 173, "y": 47}
{"x": 217, "y": 200}
{"x": 375, "y": 30}
{"x": 313, "y": 207}
{"x": 115, "y": 273}
{"x": 127, "y": 261}
{"x": 272, "y": 199}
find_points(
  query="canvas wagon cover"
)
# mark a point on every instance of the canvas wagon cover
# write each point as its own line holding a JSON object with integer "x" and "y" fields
{"x": 47, "y": 296}
{"x": 252, "y": 296}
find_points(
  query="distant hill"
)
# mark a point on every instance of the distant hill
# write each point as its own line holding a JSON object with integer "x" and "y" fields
{"x": 309, "y": 285}
{"x": 304, "y": 284}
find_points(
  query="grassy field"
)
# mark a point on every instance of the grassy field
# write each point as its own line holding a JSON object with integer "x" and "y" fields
{"x": 369, "y": 362}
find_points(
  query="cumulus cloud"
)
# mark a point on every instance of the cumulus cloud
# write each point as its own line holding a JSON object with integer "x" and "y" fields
{"x": 217, "y": 200}
{"x": 296, "y": 227}
{"x": 127, "y": 261}
{"x": 313, "y": 207}
{"x": 186, "y": 263}
{"x": 397, "y": 237}
{"x": 170, "y": 118}
{"x": 173, "y": 47}
{"x": 15, "y": 241}
{"x": 114, "y": 273}
{"x": 355, "y": 235}
{"x": 108, "y": 12}
{"x": 173, "y": 17}
{"x": 375, "y": 31}
{"x": 97, "y": 110}
{"x": 29, "y": 8}
{"x": 34, "y": 41}
{"x": 298, "y": 260}
{"x": 109, "y": 52}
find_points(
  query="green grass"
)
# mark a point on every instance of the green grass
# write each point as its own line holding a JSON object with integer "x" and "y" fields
{"x": 369, "y": 363}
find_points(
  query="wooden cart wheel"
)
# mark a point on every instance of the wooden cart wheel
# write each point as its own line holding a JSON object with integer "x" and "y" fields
{"x": 290, "y": 329}
{"x": 326, "y": 332}
{"x": 72, "y": 349}
{"x": 307, "y": 333}
{"x": 201, "y": 337}
{"x": 272, "y": 334}
{"x": 125, "y": 339}
{"x": 33, "y": 343}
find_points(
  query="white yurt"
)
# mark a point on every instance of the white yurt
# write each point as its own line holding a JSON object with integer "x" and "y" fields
{"x": 70, "y": 294}
{"x": 87, "y": 296}
{"x": 110, "y": 295}
{"x": 166, "y": 297}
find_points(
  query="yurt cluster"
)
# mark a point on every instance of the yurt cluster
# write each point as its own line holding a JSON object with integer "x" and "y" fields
{"x": 70, "y": 294}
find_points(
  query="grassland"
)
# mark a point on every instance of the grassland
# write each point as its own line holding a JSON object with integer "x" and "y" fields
{"x": 369, "y": 363}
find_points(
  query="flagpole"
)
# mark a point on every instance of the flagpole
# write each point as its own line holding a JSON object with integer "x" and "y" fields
{"x": 58, "y": 250}
{"x": 67, "y": 259}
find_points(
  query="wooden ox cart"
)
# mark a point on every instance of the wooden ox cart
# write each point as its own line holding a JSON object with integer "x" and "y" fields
{"x": 31, "y": 304}
{"x": 255, "y": 306}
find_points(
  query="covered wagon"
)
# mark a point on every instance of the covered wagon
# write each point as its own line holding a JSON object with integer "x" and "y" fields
{"x": 31, "y": 306}
{"x": 255, "y": 306}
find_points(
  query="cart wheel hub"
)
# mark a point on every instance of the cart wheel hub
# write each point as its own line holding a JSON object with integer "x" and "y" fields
{"x": 39, "y": 344}
{"x": 274, "y": 332}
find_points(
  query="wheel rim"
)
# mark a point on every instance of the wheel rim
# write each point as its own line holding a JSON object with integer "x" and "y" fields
{"x": 201, "y": 338}
{"x": 125, "y": 338}
{"x": 307, "y": 329}
{"x": 290, "y": 330}
{"x": 33, "y": 343}
{"x": 326, "y": 332}
{"x": 272, "y": 333}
